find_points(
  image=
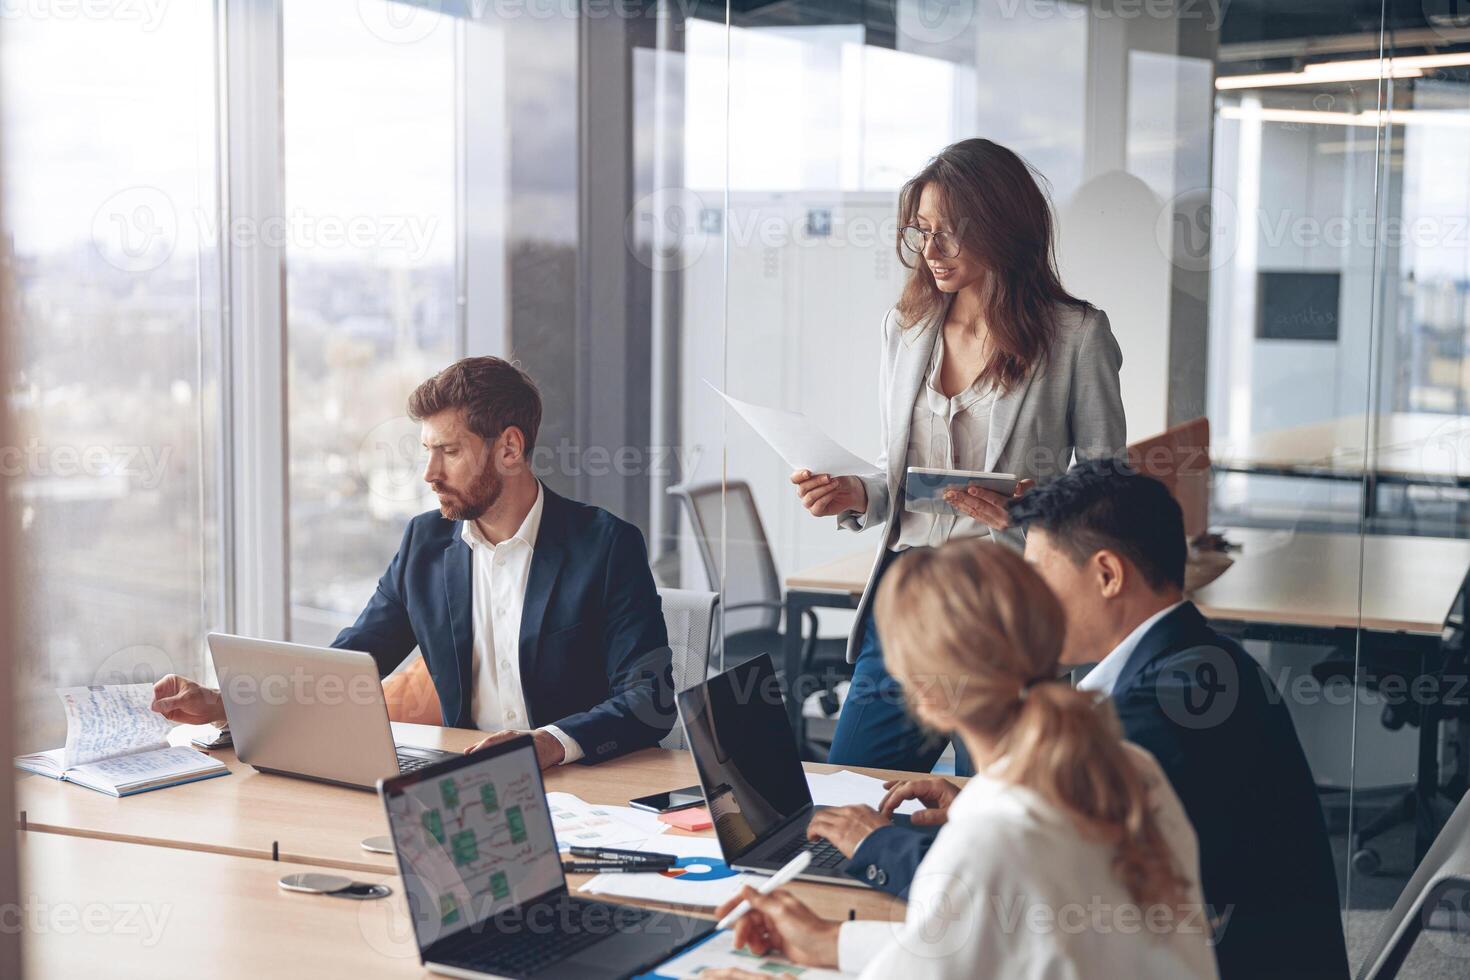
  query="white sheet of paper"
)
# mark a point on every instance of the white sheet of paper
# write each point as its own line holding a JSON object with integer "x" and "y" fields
{"x": 719, "y": 951}
{"x": 690, "y": 887}
{"x": 111, "y": 720}
{"x": 798, "y": 440}
{"x": 846, "y": 788}
{"x": 577, "y": 822}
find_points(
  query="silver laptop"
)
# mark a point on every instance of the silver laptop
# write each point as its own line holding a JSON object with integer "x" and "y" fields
{"x": 313, "y": 712}
{"x": 745, "y": 753}
{"x": 484, "y": 881}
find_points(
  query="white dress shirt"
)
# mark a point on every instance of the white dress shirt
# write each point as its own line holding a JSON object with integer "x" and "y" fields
{"x": 947, "y": 434}
{"x": 1104, "y": 677}
{"x": 1013, "y": 888}
{"x": 497, "y": 596}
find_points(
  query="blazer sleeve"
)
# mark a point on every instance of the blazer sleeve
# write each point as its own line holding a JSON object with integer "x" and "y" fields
{"x": 1099, "y": 428}
{"x": 383, "y": 628}
{"x": 876, "y": 483}
{"x": 889, "y": 857}
{"x": 640, "y": 675}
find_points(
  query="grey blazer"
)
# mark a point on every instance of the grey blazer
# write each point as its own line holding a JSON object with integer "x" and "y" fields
{"x": 1069, "y": 405}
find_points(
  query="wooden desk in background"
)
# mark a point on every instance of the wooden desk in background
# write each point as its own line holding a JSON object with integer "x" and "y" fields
{"x": 1405, "y": 447}
{"x": 248, "y": 813}
{"x": 1394, "y": 448}
{"x": 1286, "y": 578}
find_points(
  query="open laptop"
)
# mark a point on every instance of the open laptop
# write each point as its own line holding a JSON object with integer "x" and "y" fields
{"x": 484, "y": 882}
{"x": 745, "y": 752}
{"x": 313, "y": 712}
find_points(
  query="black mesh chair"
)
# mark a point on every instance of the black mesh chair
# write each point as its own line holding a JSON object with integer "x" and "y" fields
{"x": 751, "y": 601}
{"x": 1393, "y": 670}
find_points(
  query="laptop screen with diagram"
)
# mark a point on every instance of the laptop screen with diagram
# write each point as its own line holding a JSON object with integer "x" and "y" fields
{"x": 473, "y": 841}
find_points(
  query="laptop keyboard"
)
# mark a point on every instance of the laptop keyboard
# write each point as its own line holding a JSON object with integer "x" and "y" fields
{"x": 534, "y": 950}
{"x": 413, "y": 763}
{"x": 824, "y": 854}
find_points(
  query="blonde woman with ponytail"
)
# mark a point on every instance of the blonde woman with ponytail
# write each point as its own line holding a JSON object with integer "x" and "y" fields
{"x": 1066, "y": 856}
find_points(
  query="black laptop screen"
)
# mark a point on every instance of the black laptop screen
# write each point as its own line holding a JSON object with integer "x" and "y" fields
{"x": 745, "y": 753}
{"x": 473, "y": 841}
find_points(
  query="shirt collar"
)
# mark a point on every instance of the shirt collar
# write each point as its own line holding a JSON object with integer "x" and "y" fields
{"x": 962, "y": 400}
{"x": 530, "y": 527}
{"x": 1105, "y": 675}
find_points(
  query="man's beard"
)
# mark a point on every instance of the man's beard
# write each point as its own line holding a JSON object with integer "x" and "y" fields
{"x": 480, "y": 497}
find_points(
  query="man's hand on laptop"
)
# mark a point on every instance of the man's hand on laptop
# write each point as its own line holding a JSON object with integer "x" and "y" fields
{"x": 180, "y": 699}
{"x": 936, "y": 794}
{"x": 845, "y": 826}
{"x": 549, "y": 750}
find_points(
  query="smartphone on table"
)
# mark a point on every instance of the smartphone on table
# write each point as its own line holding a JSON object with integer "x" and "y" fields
{"x": 674, "y": 799}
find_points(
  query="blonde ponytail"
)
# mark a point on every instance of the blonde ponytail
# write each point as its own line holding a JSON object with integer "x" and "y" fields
{"x": 1068, "y": 748}
{"x": 974, "y": 636}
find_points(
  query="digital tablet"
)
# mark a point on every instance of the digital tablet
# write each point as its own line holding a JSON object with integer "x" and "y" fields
{"x": 924, "y": 487}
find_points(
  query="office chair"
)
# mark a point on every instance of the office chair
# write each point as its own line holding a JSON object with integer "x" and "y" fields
{"x": 1437, "y": 899}
{"x": 1380, "y": 669}
{"x": 753, "y": 601}
{"x": 690, "y": 617}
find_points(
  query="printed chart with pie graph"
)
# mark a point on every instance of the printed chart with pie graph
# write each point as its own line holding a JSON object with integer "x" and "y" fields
{"x": 699, "y": 869}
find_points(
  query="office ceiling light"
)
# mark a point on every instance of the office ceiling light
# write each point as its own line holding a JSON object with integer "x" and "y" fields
{"x": 1363, "y": 70}
{"x": 1396, "y": 117}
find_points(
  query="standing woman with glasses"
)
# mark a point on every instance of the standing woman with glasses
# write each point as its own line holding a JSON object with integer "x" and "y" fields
{"x": 988, "y": 364}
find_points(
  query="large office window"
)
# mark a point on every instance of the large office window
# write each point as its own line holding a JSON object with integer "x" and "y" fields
{"x": 110, "y": 191}
{"x": 370, "y": 110}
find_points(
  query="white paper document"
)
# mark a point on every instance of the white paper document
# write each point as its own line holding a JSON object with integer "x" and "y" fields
{"x": 719, "y": 952}
{"x": 582, "y": 824}
{"x": 845, "y": 788}
{"x": 798, "y": 440}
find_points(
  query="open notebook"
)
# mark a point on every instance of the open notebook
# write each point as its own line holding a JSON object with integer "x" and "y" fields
{"x": 116, "y": 745}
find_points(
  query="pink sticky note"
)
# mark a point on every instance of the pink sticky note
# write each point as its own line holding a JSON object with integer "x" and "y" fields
{"x": 694, "y": 818}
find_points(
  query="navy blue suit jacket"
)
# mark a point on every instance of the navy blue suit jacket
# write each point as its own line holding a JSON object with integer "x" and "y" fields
{"x": 594, "y": 652}
{"x": 1217, "y": 725}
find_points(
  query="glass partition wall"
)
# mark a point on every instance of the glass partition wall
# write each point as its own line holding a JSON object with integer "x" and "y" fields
{"x": 650, "y": 203}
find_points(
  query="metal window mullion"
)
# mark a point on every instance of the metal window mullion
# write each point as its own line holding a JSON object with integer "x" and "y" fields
{"x": 255, "y": 319}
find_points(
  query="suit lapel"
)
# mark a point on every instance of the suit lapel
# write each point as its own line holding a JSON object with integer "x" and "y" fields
{"x": 457, "y": 594}
{"x": 546, "y": 563}
{"x": 1167, "y": 635}
{"x": 1003, "y": 420}
{"x": 914, "y": 357}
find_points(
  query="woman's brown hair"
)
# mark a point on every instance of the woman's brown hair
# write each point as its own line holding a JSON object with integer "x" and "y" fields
{"x": 972, "y": 621}
{"x": 995, "y": 206}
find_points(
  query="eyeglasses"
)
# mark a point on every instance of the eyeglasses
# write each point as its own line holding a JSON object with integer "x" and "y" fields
{"x": 916, "y": 239}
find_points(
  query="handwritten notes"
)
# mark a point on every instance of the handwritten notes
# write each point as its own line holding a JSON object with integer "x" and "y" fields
{"x": 104, "y": 722}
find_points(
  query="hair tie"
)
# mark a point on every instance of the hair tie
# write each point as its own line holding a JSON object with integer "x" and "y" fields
{"x": 1026, "y": 687}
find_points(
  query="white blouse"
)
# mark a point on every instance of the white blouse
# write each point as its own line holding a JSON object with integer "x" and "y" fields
{"x": 1011, "y": 888}
{"x": 945, "y": 433}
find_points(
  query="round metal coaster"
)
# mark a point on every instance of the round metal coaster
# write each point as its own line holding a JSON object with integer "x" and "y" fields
{"x": 378, "y": 845}
{"x": 362, "y": 891}
{"x": 315, "y": 883}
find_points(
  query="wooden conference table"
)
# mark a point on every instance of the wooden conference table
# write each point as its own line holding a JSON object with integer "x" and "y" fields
{"x": 202, "y": 853}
